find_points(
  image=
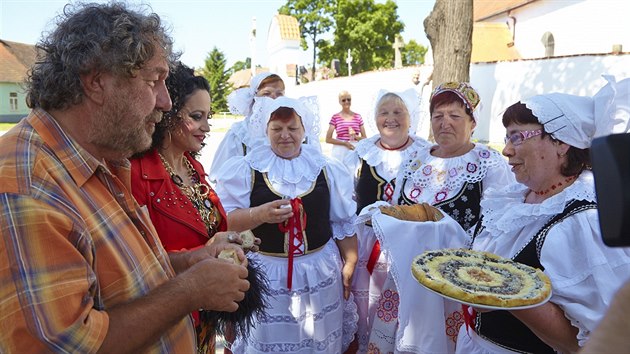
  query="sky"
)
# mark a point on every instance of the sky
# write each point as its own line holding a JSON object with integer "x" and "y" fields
{"x": 197, "y": 26}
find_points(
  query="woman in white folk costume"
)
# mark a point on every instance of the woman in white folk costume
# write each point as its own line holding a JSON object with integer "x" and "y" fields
{"x": 549, "y": 220}
{"x": 238, "y": 139}
{"x": 299, "y": 203}
{"x": 452, "y": 175}
{"x": 376, "y": 162}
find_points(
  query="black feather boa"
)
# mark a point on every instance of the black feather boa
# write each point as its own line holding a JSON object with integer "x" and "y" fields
{"x": 240, "y": 322}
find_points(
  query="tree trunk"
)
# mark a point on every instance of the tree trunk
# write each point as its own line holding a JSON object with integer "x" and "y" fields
{"x": 314, "y": 53}
{"x": 449, "y": 29}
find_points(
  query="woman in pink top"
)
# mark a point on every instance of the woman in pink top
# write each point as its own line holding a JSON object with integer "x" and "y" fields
{"x": 348, "y": 126}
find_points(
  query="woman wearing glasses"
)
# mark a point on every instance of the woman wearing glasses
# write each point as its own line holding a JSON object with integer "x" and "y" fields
{"x": 549, "y": 221}
{"x": 451, "y": 174}
{"x": 348, "y": 126}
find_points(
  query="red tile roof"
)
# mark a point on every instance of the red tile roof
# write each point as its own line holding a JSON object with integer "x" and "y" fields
{"x": 15, "y": 60}
{"x": 483, "y": 9}
{"x": 289, "y": 27}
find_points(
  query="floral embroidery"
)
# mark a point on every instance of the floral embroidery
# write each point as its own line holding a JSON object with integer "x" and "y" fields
{"x": 374, "y": 349}
{"x": 484, "y": 154}
{"x": 471, "y": 167}
{"x": 387, "y": 309}
{"x": 440, "y": 196}
{"x": 453, "y": 322}
{"x": 427, "y": 170}
{"x": 452, "y": 172}
{"x": 414, "y": 165}
{"x": 415, "y": 193}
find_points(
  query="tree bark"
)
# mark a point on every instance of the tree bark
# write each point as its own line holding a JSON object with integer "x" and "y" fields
{"x": 449, "y": 28}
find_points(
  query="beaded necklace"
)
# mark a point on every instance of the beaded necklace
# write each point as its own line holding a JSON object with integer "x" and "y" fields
{"x": 555, "y": 186}
{"x": 395, "y": 148}
{"x": 197, "y": 193}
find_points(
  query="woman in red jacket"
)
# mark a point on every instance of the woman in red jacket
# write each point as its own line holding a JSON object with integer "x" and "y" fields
{"x": 173, "y": 185}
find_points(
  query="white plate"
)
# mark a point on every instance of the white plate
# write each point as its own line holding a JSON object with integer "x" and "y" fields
{"x": 487, "y": 307}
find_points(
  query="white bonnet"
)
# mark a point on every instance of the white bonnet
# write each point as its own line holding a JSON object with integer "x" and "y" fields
{"x": 305, "y": 107}
{"x": 240, "y": 101}
{"x": 412, "y": 101}
{"x": 576, "y": 120}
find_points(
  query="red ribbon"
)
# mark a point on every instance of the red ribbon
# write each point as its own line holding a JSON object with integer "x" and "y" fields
{"x": 294, "y": 226}
{"x": 469, "y": 317}
{"x": 376, "y": 252}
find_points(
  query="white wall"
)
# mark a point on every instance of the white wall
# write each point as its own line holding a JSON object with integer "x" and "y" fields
{"x": 281, "y": 52}
{"x": 578, "y": 26}
{"x": 499, "y": 85}
{"x": 363, "y": 88}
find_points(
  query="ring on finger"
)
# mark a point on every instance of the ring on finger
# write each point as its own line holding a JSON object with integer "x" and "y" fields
{"x": 230, "y": 238}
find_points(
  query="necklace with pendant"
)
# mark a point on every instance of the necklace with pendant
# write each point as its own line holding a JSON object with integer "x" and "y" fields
{"x": 197, "y": 193}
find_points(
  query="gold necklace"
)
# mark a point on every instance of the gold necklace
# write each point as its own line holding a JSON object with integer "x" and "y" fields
{"x": 197, "y": 193}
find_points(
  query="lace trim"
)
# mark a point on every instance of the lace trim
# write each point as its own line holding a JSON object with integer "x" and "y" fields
{"x": 504, "y": 210}
{"x": 240, "y": 100}
{"x": 350, "y": 322}
{"x": 343, "y": 229}
{"x": 367, "y": 150}
{"x": 309, "y": 112}
{"x": 435, "y": 174}
{"x": 306, "y": 166}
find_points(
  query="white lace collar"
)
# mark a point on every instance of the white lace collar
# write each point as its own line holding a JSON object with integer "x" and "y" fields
{"x": 504, "y": 210}
{"x": 306, "y": 166}
{"x": 367, "y": 150}
{"x": 428, "y": 171}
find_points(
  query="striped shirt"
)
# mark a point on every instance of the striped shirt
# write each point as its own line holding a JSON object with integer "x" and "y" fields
{"x": 73, "y": 243}
{"x": 342, "y": 126}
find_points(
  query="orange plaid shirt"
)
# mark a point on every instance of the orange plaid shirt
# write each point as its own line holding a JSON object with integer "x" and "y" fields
{"x": 73, "y": 243}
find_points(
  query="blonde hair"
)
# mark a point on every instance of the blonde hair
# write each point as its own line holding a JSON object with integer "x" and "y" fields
{"x": 344, "y": 93}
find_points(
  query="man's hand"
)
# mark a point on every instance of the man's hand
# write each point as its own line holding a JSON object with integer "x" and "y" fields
{"x": 216, "y": 284}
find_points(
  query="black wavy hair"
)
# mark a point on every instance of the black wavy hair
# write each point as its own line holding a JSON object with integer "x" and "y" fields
{"x": 181, "y": 83}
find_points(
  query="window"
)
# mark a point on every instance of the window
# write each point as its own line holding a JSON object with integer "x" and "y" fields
{"x": 13, "y": 101}
{"x": 549, "y": 43}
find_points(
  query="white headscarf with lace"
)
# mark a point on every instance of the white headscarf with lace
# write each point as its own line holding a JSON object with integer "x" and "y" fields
{"x": 412, "y": 101}
{"x": 305, "y": 107}
{"x": 240, "y": 101}
{"x": 577, "y": 120}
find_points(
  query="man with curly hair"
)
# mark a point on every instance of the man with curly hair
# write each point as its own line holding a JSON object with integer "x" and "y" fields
{"x": 81, "y": 266}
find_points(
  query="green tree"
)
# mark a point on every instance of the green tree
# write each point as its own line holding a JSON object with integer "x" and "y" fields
{"x": 241, "y": 65}
{"x": 413, "y": 53}
{"x": 366, "y": 28}
{"x": 315, "y": 19}
{"x": 217, "y": 75}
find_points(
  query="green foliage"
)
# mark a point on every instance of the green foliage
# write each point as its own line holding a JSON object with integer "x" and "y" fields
{"x": 368, "y": 29}
{"x": 314, "y": 17}
{"x": 241, "y": 65}
{"x": 217, "y": 75}
{"x": 413, "y": 53}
